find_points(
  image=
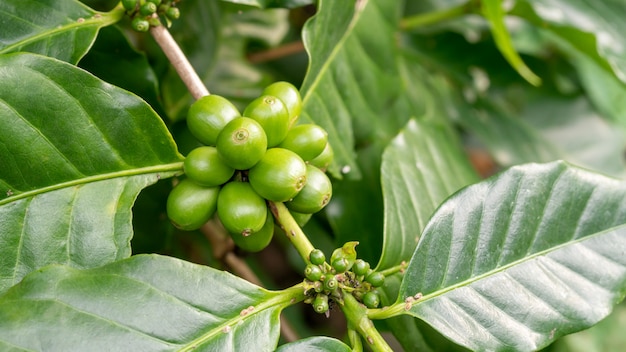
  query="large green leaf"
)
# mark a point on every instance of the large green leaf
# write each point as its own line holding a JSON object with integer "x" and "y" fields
{"x": 353, "y": 81}
{"x": 75, "y": 153}
{"x": 421, "y": 167}
{"x": 64, "y": 29}
{"x": 272, "y": 3}
{"x": 143, "y": 303}
{"x": 595, "y": 28}
{"x": 522, "y": 258}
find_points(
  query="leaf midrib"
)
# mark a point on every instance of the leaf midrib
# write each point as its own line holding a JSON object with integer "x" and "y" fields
{"x": 172, "y": 167}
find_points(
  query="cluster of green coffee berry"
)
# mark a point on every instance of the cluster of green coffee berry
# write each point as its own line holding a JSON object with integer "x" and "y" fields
{"x": 145, "y": 13}
{"x": 248, "y": 159}
{"x": 345, "y": 273}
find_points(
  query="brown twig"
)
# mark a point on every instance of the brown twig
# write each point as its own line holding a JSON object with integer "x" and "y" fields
{"x": 276, "y": 53}
{"x": 182, "y": 66}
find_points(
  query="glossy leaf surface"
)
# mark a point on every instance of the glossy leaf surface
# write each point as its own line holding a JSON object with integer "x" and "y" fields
{"x": 314, "y": 344}
{"x": 63, "y": 29}
{"x": 518, "y": 260}
{"x": 421, "y": 167}
{"x": 75, "y": 153}
{"x": 143, "y": 303}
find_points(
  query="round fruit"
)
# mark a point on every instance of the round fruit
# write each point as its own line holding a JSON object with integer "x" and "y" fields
{"x": 289, "y": 95}
{"x": 313, "y": 272}
{"x": 361, "y": 267}
{"x": 340, "y": 265}
{"x": 320, "y": 303}
{"x": 307, "y": 140}
{"x": 258, "y": 240}
{"x": 317, "y": 257}
{"x": 148, "y": 9}
{"x": 271, "y": 113}
{"x": 204, "y": 166}
{"x": 314, "y": 195}
{"x": 376, "y": 279}
{"x": 371, "y": 300}
{"x": 208, "y": 115}
{"x": 140, "y": 25}
{"x": 279, "y": 175}
{"x": 156, "y": 2}
{"x": 323, "y": 160}
{"x": 190, "y": 205}
{"x": 130, "y": 5}
{"x": 242, "y": 143}
{"x": 241, "y": 210}
{"x": 173, "y": 13}
{"x": 330, "y": 284}
{"x": 300, "y": 218}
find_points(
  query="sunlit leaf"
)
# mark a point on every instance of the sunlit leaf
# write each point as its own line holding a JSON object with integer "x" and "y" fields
{"x": 75, "y": 152}
{"x": 521, "y": 259}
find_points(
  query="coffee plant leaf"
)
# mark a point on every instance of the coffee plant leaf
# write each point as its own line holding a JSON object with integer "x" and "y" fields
{"x": 75, "y": 152}
{"x": 142, "y": 303}
{"x": 314, "y": 344}
{"x": 536, "y": 252}
{"x": 63, "y": 29}
{"x": 290, "y": 4}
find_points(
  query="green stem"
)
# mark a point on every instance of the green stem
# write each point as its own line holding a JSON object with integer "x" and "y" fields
{"x": 356, "y": 314}
{"x": 355, "y": 340}
{"x": 433, "y": 17}
{"x": 394, "y": 269}
{"x": 294, "y": 233}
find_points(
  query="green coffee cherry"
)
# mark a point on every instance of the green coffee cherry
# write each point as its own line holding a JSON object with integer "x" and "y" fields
{"x": 148, "y": 9}
{"x": 140, "y": 25}
{"x": 307, "y": 140}
{"x": 130, "y": 5}
{"x": 361, "y": 267}
{"x": 300, "y": 218}
{"x": 242, "y": 143}
{"x": 259, "y": 240}
{"x": 371, "y": 299}
{"x": 314, "y": 195}
{"x": 272, "y": 115}
{"x": 340, "y": 265}
{"x": 317, "y": 257}
{"x": 330, "y": 284}
{"x": 347, "y": 251}
{"x": 323, "y": 160}
{"x": 190, "y": 205}
{"x": 156, "y": 2}
{"x": 376, "y": 279}
{"x": 320, "y": 303}
{"x": 173, "y": 13}
{"x": 241, "y": 210}
{"x": 313, "y": 272}
{"x": 208, "y": 115}
{"x": 279, "y": 175}
{"x": 289, "y": 95}
{"x": 204, "y": 166}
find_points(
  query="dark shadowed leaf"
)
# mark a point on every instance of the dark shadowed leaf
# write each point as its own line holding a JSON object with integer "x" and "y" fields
{"x": 521, "y": 259}
{"x": 63, "y": 29}
{"x": 142, "y": 303}
{"x": 75, "y": 152}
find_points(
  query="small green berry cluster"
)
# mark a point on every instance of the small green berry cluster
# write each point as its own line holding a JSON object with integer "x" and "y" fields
{"x": 146, "y": 13}
{"x": 345, "y": 273}
{"x": 248, "y": 159}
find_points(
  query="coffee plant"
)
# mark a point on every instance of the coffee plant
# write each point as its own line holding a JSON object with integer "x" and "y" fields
{"x": 354, "y": 175}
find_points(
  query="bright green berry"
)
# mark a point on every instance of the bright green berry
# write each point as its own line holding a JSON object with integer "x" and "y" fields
{"x": 173, "y": 13}
{"x": 289, "y": 95}
{"x": 204, "y": 166}
{"x": 130, "y": 5}
{"x": 257, "y": 241}
{"x": 279, "y": 175}
{"x": 241, "y": 210}
{"x": 317, "y": 257}
{"x": 148, "y": 9}
{"x": 271, "y": 113}
{"x": 361, "y": 267}
{"x": 320, "y": 303}
{"x": 208, "y": 115}
{"x": 140, "y": 25}
{"x": 330, "y": 284}
{"x": 313, "y": 272}
{"x": 190, "y": 205}
{"x": 242, "y": 143}
{"x": 347, "y": 251}
{"x": 307, "y": 140}
{"x": 323, "y": 160}
{"x": 371, "y": 299}
{"x": 340, "y": 265}
{"x": 314, "y": 195}
{"x": 376, "y": 279}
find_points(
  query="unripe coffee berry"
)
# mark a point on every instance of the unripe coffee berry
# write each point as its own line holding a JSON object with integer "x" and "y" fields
{"x": 371, "y": 299}
{"x": 208, "y": 115}
{"x": 317, "y": 257}
{"x": 313, "y": 272}
{"x": 279, "y": 175}
{"x": 376, "y": 279}
{"x": 320, "y": 303}
{"x": 204, "y": 166}
{"x": 242, "y": 143}
{"x": 361, "y": 267}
